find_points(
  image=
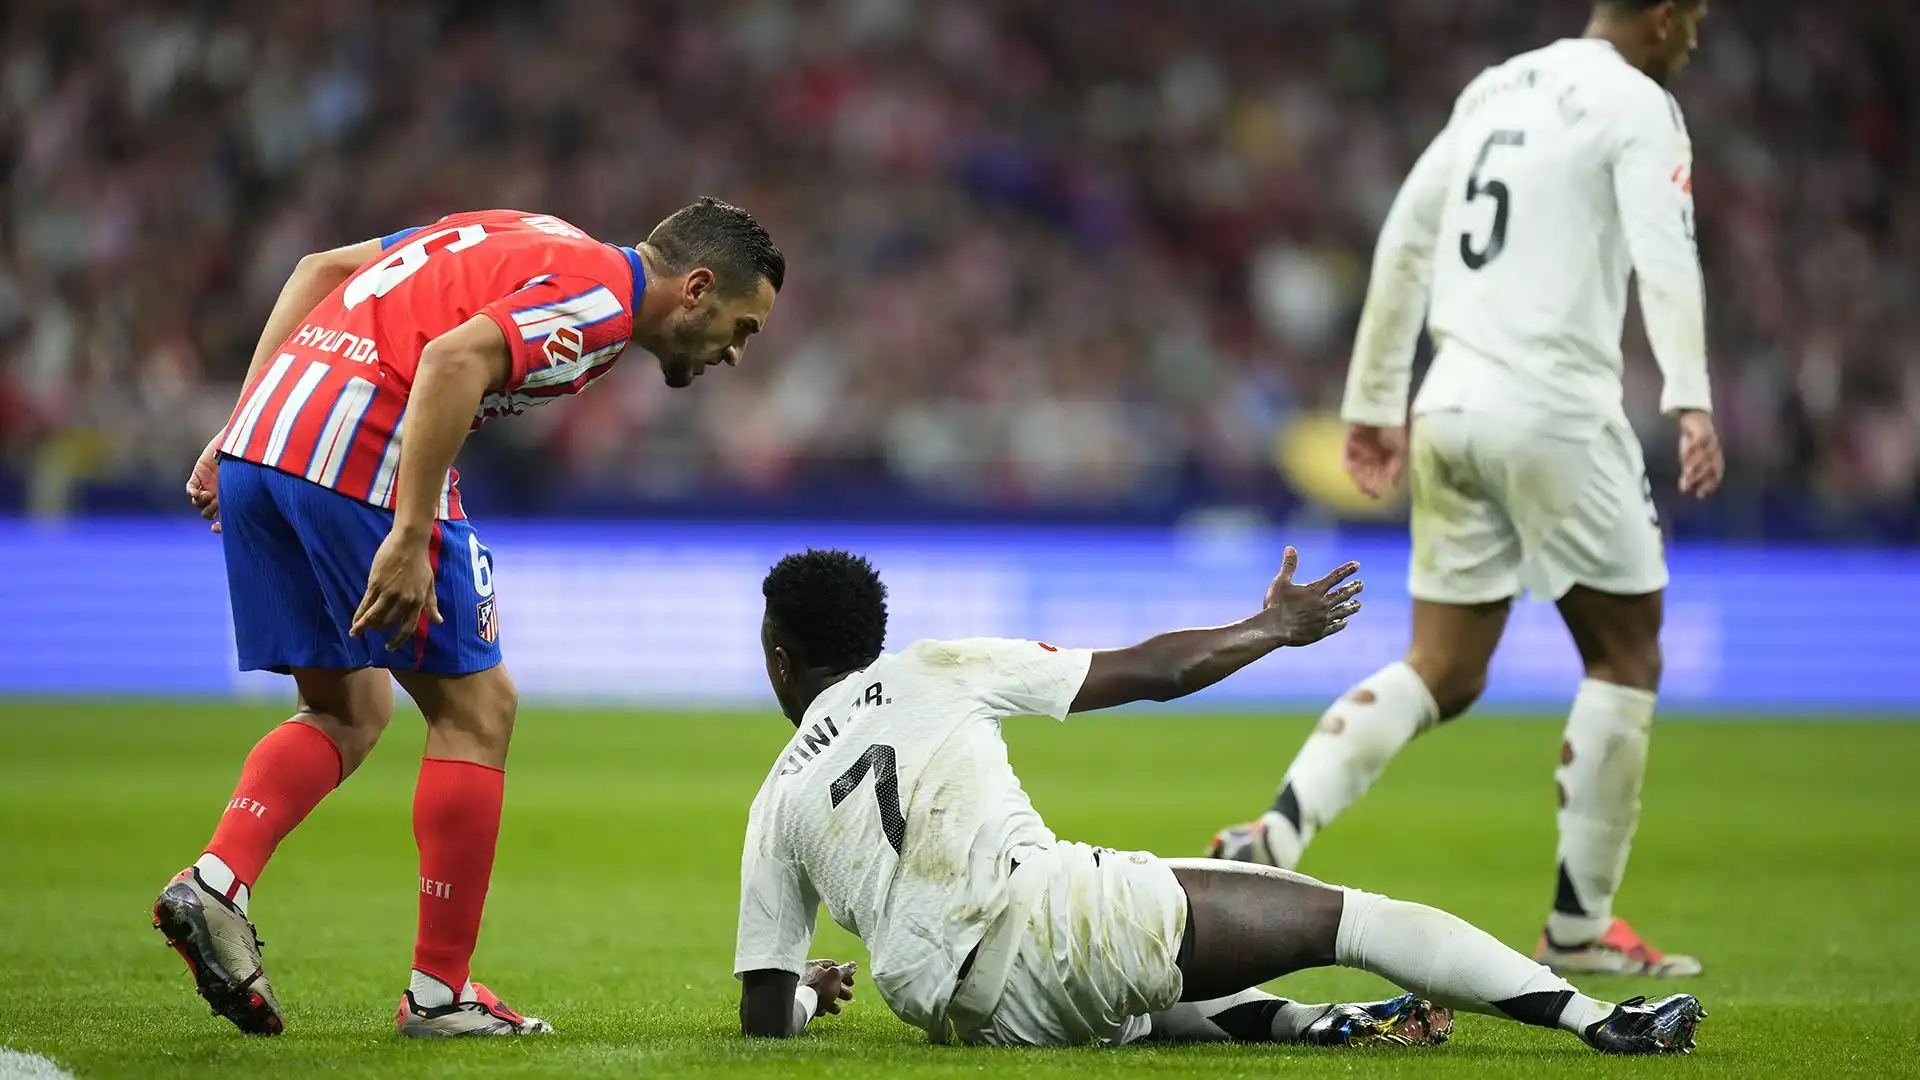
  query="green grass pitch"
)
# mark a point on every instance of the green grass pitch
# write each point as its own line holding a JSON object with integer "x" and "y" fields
{"x": 1786, "y": 854}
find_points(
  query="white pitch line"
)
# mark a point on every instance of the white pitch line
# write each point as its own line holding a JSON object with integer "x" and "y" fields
{"x": 20, "y": 1065}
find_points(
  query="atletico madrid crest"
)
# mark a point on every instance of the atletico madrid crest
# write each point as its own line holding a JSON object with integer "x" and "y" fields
{"x": 489, "y": 621}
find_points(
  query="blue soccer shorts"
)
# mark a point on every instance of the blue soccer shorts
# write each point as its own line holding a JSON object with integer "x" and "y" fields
{"x": 298, "y": 555}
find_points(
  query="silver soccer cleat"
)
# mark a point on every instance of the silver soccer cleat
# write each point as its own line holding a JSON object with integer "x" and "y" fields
{"x": 222, "y": 952}
{"x": 485, "y": 1015}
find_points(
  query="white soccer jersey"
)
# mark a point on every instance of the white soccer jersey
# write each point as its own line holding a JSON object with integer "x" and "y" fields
{"x": 1561, "y": 171}
{"x": 895, "y": 805}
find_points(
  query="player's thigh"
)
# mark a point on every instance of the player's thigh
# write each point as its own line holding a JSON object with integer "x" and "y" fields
{"x": 1465, "y": 549}
{"x": 1595, "y": 525}
{"x": 1098, "y": 953}
{"x": 1618, "y": 635}
{"x": 1248, "y": 924}
{"x": 279, "y": 603}
{"x": 469, "y": 717}
{"x": 345, "y": 534}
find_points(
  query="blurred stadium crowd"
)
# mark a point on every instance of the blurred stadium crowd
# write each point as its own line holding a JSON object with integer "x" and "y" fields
{"x": 1080, "y": 257}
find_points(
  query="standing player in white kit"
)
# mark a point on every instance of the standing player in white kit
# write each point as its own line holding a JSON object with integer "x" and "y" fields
{"x": 1561, "y": 171}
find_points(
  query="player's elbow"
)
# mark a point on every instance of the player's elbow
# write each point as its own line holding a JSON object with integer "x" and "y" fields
{"x": 458, "y": 363}
{"x": 472, "y": 355}
{"x": 337, "y": 264}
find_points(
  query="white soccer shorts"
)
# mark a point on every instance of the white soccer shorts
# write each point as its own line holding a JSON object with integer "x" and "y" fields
{"x": 1501, "y": 508}
{"x": 1089, "y": 948}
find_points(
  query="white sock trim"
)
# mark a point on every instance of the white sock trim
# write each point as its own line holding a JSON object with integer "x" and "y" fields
{"x": 1628, "y": 703}
{"x": 430, "y": 993}
{"x": 1401, "y": 674}
{"x": 218, "y": 876}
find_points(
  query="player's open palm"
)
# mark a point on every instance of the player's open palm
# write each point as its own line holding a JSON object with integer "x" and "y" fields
{"x": 399, "y": 590}
{"x": 203, "y": 484}
{"x": 832, "y": 981}
{"x": 1306, "y": 613}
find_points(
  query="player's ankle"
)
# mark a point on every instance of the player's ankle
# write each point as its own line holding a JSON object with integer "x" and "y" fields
{"x": 431, "y": 992}
{"x": 215, "y": 874}
{"x": 1567, "y": 931}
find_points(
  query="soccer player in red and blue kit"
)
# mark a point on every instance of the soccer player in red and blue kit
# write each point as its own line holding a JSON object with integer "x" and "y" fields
{"x": 349, "y": 557}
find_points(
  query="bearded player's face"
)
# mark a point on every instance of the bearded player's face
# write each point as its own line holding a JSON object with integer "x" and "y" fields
{"x": 712, "y": 328}
{"x": 1682, "y": 23}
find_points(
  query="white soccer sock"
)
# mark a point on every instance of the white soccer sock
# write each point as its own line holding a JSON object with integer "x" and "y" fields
{"x": 1248, "y": 1016}
{"x": 1602, "y": 763}
{"x": 1357, "y": 736}
{"x": 219, "y": 877}
{"x": 1448, "y": 960}
{"x": 431, "y": 993}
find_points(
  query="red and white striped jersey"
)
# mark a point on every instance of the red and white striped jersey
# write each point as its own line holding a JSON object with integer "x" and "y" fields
{"x": 332, "y": 405}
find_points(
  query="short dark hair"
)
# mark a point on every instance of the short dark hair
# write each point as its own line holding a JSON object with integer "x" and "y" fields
{"x": 723, "y": 238}
{"x": 830, "y": 606}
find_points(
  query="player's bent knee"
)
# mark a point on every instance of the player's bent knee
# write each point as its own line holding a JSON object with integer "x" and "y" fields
{"x": 350, "y": 707}
{"x": 483, "y": 708}
{"x": 1455, "y": 686}
{"x": 1639, "y": 665}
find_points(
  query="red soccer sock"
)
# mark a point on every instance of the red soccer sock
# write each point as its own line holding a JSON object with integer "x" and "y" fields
{"x": 456, "y": 822}
{"x": 285, "y": 777}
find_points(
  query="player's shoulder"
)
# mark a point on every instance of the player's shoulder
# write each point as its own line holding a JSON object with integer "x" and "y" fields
{"x": 963, "y": 652}
{"x": 1617, "y": 86}
{"x": 510, "y": 221}
{"x": 973, "y": 660}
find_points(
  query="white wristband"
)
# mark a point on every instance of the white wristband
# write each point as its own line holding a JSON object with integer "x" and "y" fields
{"x": 805, "y": 1000}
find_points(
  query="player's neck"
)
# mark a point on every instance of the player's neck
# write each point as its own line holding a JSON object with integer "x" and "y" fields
{"x": 655, "y": 303}
{"x": 1623, "y": 37}
{"x": 810, "y": 685}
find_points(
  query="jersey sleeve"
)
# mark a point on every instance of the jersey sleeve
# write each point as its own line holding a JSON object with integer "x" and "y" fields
{"x": 393, "y": 238}
{"x": 777, "y": 905}
{"x": 1020, "y": 678}
{"x": 1653, "y": 186}
{"x": 1380, "y": 375}
{"x": 558, "y": 327}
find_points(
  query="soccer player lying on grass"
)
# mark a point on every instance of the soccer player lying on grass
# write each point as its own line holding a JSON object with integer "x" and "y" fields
{"x": 895, "y": 804}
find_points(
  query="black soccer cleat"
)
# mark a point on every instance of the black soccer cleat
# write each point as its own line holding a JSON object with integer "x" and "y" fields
{"x": 1636, "y": 1027}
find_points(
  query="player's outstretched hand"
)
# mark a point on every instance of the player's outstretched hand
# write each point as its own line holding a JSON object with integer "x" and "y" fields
{"x": 1307, "y": 613}
{"x": 833, "y": 981}
{"x": 399, "y": 590}
{"x": 1375, "y": 457}
{"x": 203, "y": 483}
{"x": 1701, "y": 462}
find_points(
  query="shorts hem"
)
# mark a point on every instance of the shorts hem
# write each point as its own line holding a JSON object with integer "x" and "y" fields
{"x": 1463, "y": 597}
{"x": 285, "y": 667}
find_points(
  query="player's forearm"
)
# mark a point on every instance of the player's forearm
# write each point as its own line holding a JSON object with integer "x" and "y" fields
{"x": 1175, "y": 664}
{"x": 1380, "y": 375}
{"x": 1675, "y": 313}
{"x": 447, "y": 390}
